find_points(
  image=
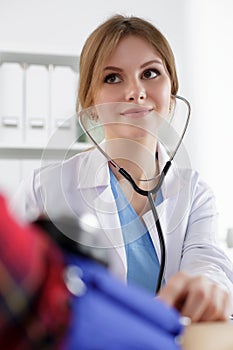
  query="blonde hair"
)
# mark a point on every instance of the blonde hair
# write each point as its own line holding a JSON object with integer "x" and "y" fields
{"x": 104, "y": 39}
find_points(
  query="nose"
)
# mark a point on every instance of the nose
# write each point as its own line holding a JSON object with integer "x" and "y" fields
{"x": 137, "y": 95}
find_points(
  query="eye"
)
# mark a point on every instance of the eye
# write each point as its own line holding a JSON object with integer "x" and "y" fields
{"x": 112, "y": 78}
{"x": 150, "y": 73}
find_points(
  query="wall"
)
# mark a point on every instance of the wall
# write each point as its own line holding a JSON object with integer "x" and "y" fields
{"x": 62, "y": 26}
{"x": 200, "y": 34}
{"x": 211, "y": 55}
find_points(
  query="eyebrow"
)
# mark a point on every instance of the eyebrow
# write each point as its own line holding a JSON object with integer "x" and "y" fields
{"x": 150, "y": 62}
{"x": 142, "y": 66}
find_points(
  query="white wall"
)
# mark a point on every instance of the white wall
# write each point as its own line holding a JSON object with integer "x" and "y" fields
{"x": 211, "y": 55}
{"x": 63, "y": 25}
{"x": 200, "y": 34}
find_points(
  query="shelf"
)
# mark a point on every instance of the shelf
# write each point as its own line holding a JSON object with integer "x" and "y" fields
{"x": 37, "y": 152}
{"x": 24, "y": 125}
{"x": 40, "y": 59}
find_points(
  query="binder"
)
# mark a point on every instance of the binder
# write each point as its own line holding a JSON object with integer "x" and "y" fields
{"x": 11, "y": 103}
{"x": 63, "y": 101}
{"x": 37, "y": 105}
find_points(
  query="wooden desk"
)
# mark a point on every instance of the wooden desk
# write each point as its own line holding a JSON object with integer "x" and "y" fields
{"x": 208, "y": 336}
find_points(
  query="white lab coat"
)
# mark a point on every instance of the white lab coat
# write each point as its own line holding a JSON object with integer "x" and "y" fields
{"x": 188, "y": 215}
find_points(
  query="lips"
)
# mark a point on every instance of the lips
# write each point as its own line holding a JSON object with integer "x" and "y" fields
{"x": 137, "y": 112}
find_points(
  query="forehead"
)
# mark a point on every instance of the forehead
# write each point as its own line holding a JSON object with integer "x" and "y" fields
{"x": 131, "y": 48}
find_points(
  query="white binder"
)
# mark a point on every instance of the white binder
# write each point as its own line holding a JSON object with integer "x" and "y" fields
{"x": 11, "y": 103}
{"x": 63, "y": 100}
{"x": 37, "y": 105}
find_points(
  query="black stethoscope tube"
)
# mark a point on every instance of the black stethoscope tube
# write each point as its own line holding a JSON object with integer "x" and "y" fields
{"x": 161, "y": 242}
{"x": 149, "y": 195}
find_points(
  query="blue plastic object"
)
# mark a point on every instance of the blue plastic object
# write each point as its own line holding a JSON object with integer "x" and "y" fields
{"x": 110, "y": 315}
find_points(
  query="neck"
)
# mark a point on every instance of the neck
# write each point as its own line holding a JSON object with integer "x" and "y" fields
{"x": 136, "y": 158}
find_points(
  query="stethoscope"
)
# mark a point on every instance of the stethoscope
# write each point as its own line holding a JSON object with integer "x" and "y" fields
{"x": 148, "y": 193}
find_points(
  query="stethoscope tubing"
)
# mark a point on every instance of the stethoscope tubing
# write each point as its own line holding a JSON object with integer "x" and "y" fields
{"x": 149, "y": 194}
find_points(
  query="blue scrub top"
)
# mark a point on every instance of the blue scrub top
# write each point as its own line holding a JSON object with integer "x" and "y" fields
{"x": 142, "y": 261}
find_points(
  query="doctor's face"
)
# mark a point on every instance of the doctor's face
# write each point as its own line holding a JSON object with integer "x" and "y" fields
{"x": 135, "y": 73}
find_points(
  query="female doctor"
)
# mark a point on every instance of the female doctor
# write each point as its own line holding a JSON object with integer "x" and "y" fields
{"x": 127, "y": 65}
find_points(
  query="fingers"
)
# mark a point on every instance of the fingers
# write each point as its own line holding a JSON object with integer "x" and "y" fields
{"x": 174, "y": 292}
{"x": 218, "y": 306}
{"x": 196, "y": 297}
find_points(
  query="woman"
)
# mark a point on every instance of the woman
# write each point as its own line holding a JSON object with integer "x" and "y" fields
{"x": 127, "y": 62}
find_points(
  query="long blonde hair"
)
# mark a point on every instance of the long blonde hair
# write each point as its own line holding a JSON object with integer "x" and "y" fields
{"x": 104, "y": 39}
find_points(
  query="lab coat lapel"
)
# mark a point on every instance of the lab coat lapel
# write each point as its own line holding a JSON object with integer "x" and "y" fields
{"x": 106, "y": 211}
{"x": 170, "y": 211}
{"x": 97, "y": 181}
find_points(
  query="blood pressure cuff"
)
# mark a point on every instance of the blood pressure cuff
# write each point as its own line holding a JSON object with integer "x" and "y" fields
{"x": 108, "y": 315}
{"x": 104, "y": 313}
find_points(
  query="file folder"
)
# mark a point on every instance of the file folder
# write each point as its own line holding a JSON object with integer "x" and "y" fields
{"x": 11, "y": 103}
{"x": 63, "y": 102}
{"x": 37, "y": 105}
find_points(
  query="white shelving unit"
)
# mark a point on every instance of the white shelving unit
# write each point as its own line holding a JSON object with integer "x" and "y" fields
{"x": 37, "y": 113}
{"x": 36, "y": 152}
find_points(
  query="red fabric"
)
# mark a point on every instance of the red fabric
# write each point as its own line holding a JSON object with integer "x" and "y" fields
{"x": 33, "y": 296}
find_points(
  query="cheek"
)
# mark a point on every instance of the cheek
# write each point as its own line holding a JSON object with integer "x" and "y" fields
{"x": 166, "y": 97}
{"x": 99, "y": 98}
{"x": 162, "y": 97}
{"x": 105, "y": 96}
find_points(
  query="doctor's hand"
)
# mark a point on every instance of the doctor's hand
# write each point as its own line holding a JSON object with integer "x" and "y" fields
{"x": 196, "y": 297}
